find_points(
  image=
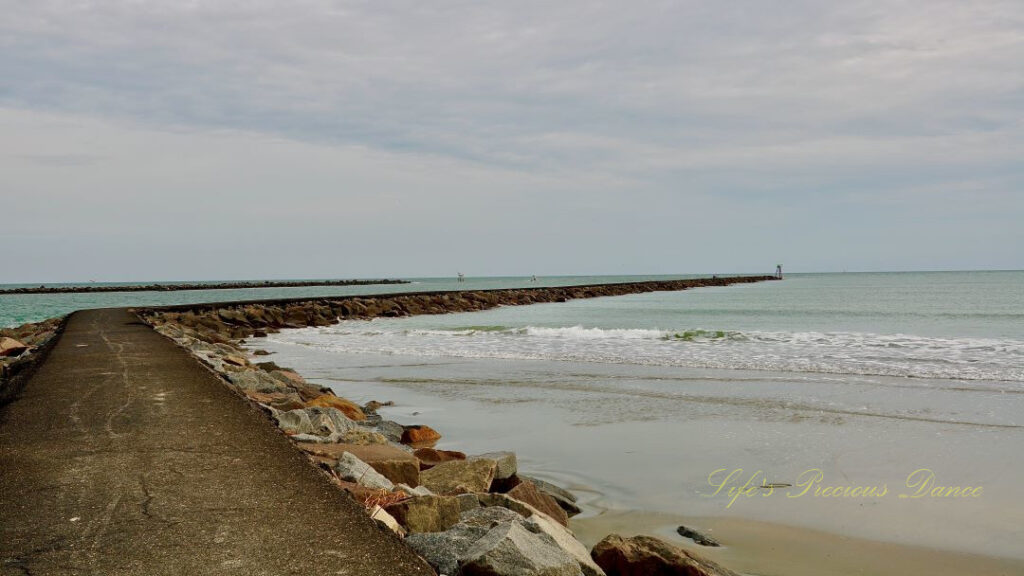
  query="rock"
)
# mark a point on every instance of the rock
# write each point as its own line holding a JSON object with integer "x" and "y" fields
{"x": 261, "y": 352}
{"x": 417, "y": 491}
{"x": 256, "y": 381}
{"x": 11, "y": 347}
{"x": 697, "y": 537}
{"x": 468, "y": 502}
{"x": 527, "y": 492}
{"x": 420, "y": 436}
{"x": 355, "y": 470}
{"x": 381, "y": 515}
{"x": 278, "y": 400}
{"x": 363, "y": 436}
{"x": 235, "y": 360}
{"x": 315, "y": 421}
{"x": 430, "y": 457}
{"x": 426, "y": 513}
{"x": 288, "y": 377}
{"x": 442, "y": 550}
{"x": 505, "y": 461}
{"x": 508, "y": 549}
{"x": 350, "y": 409}
{"x": 566, "y": 540}
{"x": 459, "y": 476}
{"x": 565, "y": 499}
{"x": 394, "y": 463}
{"x": 391, "y": 430}
{"x": 372, "y": 406}
{"x": 504, "y": 501}
{"x": 647, "y": 556}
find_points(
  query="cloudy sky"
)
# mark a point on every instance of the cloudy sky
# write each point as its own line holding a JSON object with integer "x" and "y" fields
{"x": 185, "y": 140}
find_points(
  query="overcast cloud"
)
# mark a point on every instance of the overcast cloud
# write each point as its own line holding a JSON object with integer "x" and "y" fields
{"x": 180, "y": 140}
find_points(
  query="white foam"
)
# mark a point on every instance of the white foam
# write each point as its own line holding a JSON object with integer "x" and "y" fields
{"x": 821, "y": 352}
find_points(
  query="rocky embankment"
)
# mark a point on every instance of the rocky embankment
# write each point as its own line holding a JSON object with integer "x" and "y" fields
{"x": 19, "y": 350}
{"x": 179, "y": 287}
{"x": 467, "y": 515}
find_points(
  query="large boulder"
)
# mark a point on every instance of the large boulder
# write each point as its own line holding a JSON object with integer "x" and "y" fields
{"x": 506, "y": 464}
{"x": 459, "y": 477}
{"x": 313, "y": 421}
{"x": 566, "y": 540}
{"x": 278, "y": 400}
{"x": 395, "y": 464}
{"x": 508, "y": 549}
{"x": 426, "y": 513}
{"x": 442, "y": 550}
{"x": 420, "y": 436}
{"x": 352, "y": 469}
{"x": 527, "y": 492}
{"x": 350, "y": 409}
{"x": 648, "y": 556}
{"x": 565, "y": 499}
{"x": 257, "y": 381}
{"x": 11, "y": 347}
{"x": 430, "y": 457}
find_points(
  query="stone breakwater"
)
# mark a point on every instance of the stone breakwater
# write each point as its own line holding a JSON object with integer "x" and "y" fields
{"x": 20, "y": 349}
{"x": 466, "y": 515}
{"x": 180, "y": 287}
{"x": 234, "y": 320}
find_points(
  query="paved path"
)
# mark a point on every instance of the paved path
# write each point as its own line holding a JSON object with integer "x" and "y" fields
{"x": 123, "y": 455}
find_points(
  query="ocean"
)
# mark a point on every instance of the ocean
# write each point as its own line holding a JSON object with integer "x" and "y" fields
{"x": 644, "y": 402}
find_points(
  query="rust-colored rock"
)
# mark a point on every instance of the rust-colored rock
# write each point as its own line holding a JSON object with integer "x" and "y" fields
{"x": 430, "y": 457}
{"x": 420, "y": 435}
{"x": 525, "y": 491}
{"x": 348, "y": 408}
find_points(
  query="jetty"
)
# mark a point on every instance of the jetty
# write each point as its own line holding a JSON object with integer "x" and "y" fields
{"x": 120, "y": 453}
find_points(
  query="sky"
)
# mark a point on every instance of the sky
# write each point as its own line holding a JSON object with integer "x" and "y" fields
{"x": 188, "y": 140}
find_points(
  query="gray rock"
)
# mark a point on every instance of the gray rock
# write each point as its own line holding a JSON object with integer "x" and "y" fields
{"x": 505, "y": 462}
{"x": 468, "y": 502}
{"x": 489, "y": 517}
{"x": 417, "y": 491}
{"x": 316, "y": 421}
{"x": 256, "y": 381}
{"x": 352, "y": 469}
{"x": 508, "y": 549}
{"x": 442, "y": 550}
{"x": 566, "y": 540}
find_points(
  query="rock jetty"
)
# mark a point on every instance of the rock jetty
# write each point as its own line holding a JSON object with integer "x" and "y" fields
{"x": 19, "y": 350}
{"x": 222, "y": 322}
{"x": 81, "y": 289}
{"x": 466, "y": 515}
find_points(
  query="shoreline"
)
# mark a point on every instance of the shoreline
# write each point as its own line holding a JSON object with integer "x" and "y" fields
{"x": 79, "y": 289}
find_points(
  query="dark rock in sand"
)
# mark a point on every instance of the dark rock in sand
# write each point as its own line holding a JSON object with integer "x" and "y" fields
{"x": 697, "y": 537}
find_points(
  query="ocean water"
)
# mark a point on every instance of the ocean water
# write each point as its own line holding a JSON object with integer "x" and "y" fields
{"x": 962, "y": 325}
{"x": 635, "y": 401}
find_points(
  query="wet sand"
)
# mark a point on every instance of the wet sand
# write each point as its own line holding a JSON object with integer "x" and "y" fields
{"x": 765, "y": 549}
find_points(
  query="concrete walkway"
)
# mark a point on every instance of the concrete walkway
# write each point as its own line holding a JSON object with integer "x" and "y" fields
{"x": 122, "y": 455}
